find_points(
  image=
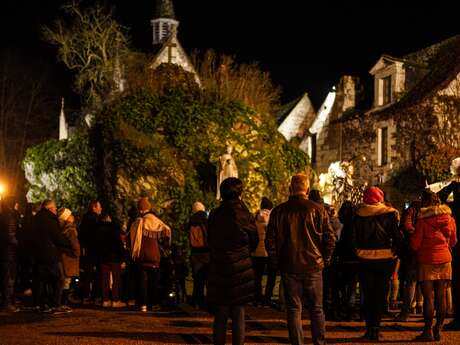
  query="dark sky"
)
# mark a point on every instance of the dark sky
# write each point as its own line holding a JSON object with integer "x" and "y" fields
{"x": 305, "y": 47}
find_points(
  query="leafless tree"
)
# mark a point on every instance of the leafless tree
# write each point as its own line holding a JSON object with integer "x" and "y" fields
{"x": 24, "y": 112}
{"x": 94, "y": 45}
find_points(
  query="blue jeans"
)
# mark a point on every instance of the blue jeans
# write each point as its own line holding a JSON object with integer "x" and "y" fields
{"x": 223, "y": 312}
{"x": 295, "y": 287}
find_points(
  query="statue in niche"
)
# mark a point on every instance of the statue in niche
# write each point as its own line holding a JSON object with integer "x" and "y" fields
{"x": 226, "y": 168}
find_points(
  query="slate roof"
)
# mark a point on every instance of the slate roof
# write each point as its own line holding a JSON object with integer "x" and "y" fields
{"x": 164, "y": 9}
{"x": 286, "y": 109}
{"x": 441, "y": 60}
{"x": 443, "y": 63}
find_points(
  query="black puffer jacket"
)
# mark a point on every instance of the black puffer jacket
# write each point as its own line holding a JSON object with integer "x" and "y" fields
{"x": 376, "y": 233}
{"x": 49, "y": 241}
{"x": 232, "y": 235}
{"x": 299, "y": 236}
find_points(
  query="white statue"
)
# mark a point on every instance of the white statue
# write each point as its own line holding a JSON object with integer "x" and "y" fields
{"x": 227, "y": 168}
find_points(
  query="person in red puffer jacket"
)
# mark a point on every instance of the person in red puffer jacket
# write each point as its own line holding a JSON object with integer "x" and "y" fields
{"x": 435, "y": 235}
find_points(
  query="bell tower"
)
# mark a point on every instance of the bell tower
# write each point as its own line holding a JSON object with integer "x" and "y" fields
{"x": 164, "y": 22}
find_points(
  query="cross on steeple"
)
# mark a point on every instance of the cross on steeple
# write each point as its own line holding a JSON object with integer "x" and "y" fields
{"x": 164, "y": 23}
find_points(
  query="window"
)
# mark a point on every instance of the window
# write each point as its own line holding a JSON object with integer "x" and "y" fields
{"x": 386, "y": 90}
{"x": 165, "y": 33}
{"x": 312, "y": 148}
{"x": 157, "y": 31}
{"x": 382, "y": 149}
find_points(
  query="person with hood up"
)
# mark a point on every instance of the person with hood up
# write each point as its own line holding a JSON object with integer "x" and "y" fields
{"x": 377, "y": 239}
{"x": 71, "y": 256}
{"x": 435, "y": 235}
{"x": 232, "y": 235}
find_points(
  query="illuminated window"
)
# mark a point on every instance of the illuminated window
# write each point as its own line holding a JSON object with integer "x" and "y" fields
{"x": 385, "y": 84}
{"x": 382, "y": 146}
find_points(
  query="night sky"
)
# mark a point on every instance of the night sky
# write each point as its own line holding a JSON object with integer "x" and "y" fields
{"x": 304, "y": 47}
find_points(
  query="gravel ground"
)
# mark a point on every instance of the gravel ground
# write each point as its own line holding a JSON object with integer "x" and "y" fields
{"x": 86, "y": 326}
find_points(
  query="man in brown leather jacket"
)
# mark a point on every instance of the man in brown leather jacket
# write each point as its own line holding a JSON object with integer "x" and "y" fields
{"x": 301, "y": 241}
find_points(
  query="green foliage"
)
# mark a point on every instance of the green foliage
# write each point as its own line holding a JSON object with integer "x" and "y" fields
{"x": 164, "y": 142}
{"x": 175, "y": 139}
{"x": 62, "y": 170}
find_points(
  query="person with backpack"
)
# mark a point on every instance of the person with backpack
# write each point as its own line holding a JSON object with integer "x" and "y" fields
{"x": 147, "y": 234}
{"x": 198, "y": 228}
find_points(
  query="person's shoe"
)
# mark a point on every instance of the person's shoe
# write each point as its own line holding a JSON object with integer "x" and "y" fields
{"x": 118, "y": 304}
{"x": 106, "y": 304}
{"x": 402, "y": 317}
{"x": 375, "y": 334}
{"x": 144, "y": 308}
{"x": 66, "y": 309}
{"x": 156, "y": 308}
{"x": 11, "y": 308}
{"x": 427, "y": 335}
{"x": 367, "y": 336}
{"x": 419, "y": 309}
{"x": 437, "y": 333}
{"x": 131, "y": 302}
{"x": 46, "y": 309}
{"x": 62, "y": 310}
{"x": 452, "y": 326}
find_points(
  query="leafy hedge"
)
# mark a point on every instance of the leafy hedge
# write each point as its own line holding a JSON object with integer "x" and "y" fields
{"x": 166, "y": 145}
{"x": 62, "y": 170}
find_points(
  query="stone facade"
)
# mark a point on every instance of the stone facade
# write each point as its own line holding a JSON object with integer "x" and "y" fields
{"x": 413, "y": 109}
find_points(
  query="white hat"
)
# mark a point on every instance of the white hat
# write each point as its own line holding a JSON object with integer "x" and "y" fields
{"x": 198, "y": 206}
{"x": 64, "y": 214}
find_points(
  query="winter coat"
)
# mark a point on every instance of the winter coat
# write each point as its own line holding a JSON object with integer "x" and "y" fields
{"x": 453, "y": 187}
{"x": 87, "y": 234}
{"x": 9, "y": 225}
{"x": 111, "y": 248}
{"x": 299, "y": 236}
{"x": 345, "y": 249}
{"x": 232, "y": 235}
{"x": 262, "y": 218}
{"x": 71, "y": 256}
{"x": 376, "y": 232}
{"x": 435, "y": 234}
{"x": 152, "y": 234}
{"x": 49, "y": 241}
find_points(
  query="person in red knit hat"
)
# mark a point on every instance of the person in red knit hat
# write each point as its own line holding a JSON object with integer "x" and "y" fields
{"x": 435, "y": 235}
{"x": 377, "y": 239}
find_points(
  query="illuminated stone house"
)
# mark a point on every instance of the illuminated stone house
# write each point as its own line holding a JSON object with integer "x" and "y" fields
{"x": 385, "y": 129}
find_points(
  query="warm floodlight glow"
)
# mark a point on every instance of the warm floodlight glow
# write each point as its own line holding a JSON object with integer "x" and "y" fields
{"x": 2, "y": 188}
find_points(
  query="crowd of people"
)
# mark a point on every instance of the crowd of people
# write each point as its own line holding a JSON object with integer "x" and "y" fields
{"x": 357, "y": 263}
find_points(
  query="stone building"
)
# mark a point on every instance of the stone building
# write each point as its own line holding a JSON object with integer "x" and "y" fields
{"x": 392, "y": 132}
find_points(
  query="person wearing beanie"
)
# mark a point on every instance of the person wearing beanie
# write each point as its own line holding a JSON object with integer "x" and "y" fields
{"x": 377, "y": 240}
{"x": 300, "y": 240}
{"x": 147, "y": 234}
{"x": 71, "y": 256}
{"x": 232, "y": 235}
{"x": 197, "y": 228}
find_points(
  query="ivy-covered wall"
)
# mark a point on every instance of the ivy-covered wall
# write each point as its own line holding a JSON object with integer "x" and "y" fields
{"x": 165, "y": 144}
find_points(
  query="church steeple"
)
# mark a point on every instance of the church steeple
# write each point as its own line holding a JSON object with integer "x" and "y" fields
{"x": 164, "y": 23}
